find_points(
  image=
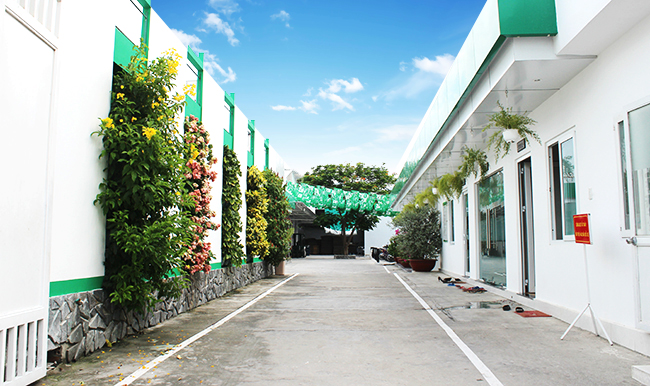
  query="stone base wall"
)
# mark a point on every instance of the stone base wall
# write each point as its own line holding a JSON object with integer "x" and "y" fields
{"x": 83, "y": 322}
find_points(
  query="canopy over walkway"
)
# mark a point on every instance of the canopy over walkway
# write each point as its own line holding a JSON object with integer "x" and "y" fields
{"x": 340, "y": 200}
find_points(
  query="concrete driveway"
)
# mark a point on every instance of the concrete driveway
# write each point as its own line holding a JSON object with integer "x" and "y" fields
{"x": 354, "y": 322}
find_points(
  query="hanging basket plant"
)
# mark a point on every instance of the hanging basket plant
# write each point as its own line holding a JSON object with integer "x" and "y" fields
{"x": 505, "y": 120}
{"x": 474, "y": 163}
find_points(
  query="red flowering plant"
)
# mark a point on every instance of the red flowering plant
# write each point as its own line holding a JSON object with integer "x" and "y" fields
{"x": 198, "y": 179}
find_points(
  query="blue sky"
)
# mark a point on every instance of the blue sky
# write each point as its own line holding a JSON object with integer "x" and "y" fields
{"x": 328, "y": 81}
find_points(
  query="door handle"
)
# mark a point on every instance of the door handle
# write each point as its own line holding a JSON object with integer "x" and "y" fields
{"x": 631, "y": 240}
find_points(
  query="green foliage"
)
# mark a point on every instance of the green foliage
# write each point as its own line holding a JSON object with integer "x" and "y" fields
{"x": 395, "y": 248}
{"x": 449, "y": 185}
{"x": 231, "y": 248}
{"x": 144, "y": 184}
{"x": 506, "y": 120}
{"x": 474, "y": 163}
{"x": 256, "y": 208}
{"x": 419, "y": 232}
{"x": 279, "y": 228}
{"x": 198, "y": 152}
{"x": 361, "y": 178}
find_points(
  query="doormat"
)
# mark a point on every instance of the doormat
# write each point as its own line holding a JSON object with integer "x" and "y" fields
{"x": 533, "y": 314}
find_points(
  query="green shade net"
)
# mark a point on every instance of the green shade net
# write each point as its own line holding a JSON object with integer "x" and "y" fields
{"x": 320, "y": 197}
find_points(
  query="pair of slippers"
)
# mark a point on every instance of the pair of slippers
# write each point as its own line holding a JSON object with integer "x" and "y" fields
{"x": 508, "y": 308}
{"x": 474, "y": 290}
{"x": 448, "y": 279}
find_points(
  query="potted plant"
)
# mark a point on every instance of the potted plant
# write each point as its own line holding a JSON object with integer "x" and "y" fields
{"x": 512, "y": 127}
{"x": 419, "y": 236}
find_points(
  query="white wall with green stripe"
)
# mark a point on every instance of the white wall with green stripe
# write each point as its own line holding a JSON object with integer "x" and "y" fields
{"x": 85, "y": 64}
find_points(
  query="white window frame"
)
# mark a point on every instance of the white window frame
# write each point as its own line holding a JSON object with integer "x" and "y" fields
{"x": 565, "y": 136}
{"x": 445, "y": 222}
{"x": 624, "y": 117}
{"x": 625, "y": 233}
{"x": 452, "y": 234}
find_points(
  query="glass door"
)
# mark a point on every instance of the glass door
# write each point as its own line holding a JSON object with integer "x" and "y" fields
{"x": 635, "y": 165}
{"x": 492, "y": 231}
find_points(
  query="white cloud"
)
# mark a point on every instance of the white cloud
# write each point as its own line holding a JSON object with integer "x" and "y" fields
{"x": 211, "y": 65}
{"x": 187, "y": 39}
{"x": 395, "y": 133}
{"x": 283, "y": 108}
{"x": 212, "y": 20}
{"x": 402, "y": 66}
{"x": 309, "y": 106}
{"x": 337, "y": 101}
{"x": 283, "y": 16}
{"x": 226, "y": 7}
{"x": 440, "y": 65}
{"x": 210, "y": 61}
{"x": 308, "y": 93}
{"x": 428, "y": 74}
{"x": 349, "y": 87}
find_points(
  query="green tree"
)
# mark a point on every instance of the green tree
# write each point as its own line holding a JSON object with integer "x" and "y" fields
{"x": 360, "y": 178}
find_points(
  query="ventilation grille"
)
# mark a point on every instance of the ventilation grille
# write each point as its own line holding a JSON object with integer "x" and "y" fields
{"x": 22, "y": 353}
{"x": 44, "y": 12}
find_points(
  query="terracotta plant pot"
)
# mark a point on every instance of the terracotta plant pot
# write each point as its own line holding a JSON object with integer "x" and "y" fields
{"x": 279, "y": 270}
{"x": 423, "y": 265}
{"x": 405, "y": 263}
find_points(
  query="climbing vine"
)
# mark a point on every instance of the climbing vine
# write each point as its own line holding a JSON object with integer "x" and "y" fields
{"x": 231, "y": 248}
{"x": 198, "y": 177}
{"x": 279, "y": 228}
{"x": 256, "y": 209}
{"x": 143, "y": 188}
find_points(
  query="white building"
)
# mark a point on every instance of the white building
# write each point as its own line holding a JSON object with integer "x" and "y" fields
{"x": 56, "y": 69}
{"x": 580, "y": 69}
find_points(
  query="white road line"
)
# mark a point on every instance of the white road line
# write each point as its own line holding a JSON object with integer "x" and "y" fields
{"x": 387, "y": 271}
{"x": 143, "y": 370}
{"x": 480, "y": 366}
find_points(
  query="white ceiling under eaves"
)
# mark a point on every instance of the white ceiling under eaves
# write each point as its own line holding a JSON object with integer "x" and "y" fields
{"x": 524, "y": 74}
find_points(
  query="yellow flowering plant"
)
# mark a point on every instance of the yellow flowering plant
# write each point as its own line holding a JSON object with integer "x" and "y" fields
{"x": 144, "y": 185}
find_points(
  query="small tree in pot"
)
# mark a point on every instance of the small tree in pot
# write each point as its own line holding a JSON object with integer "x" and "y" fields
{"x": 420, "y": 236}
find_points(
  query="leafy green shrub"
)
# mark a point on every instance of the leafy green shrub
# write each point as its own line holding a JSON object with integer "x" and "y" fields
{"x": 419, "y": 232}
{"x": 144, "y": 184}
{"x": 279, "y": 229}
{"x": 256, "y": 207}
{"x": 231, "y": 248}
{"x": 198, "y": 177}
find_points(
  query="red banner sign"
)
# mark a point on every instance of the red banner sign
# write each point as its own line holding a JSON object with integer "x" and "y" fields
{"x": 581, "y": 228}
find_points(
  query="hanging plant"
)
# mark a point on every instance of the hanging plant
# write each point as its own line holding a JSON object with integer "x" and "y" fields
{"x": 144, "y": 185}
{"x": 449, "y": 185}
{"x": 506, "y": 120}
{"x": 256, "y": 207}
{"x": 232, "y": 250}
{"x": 474, "y": 163}
{"x": 279, "y": 229}
{"x": 198, "y": 152}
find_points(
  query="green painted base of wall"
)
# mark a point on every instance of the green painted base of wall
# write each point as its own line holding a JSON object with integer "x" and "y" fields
{"x": 65, "y": 287}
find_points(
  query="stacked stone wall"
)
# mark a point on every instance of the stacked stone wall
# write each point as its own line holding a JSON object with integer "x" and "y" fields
{"x": 81, "y": 323}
